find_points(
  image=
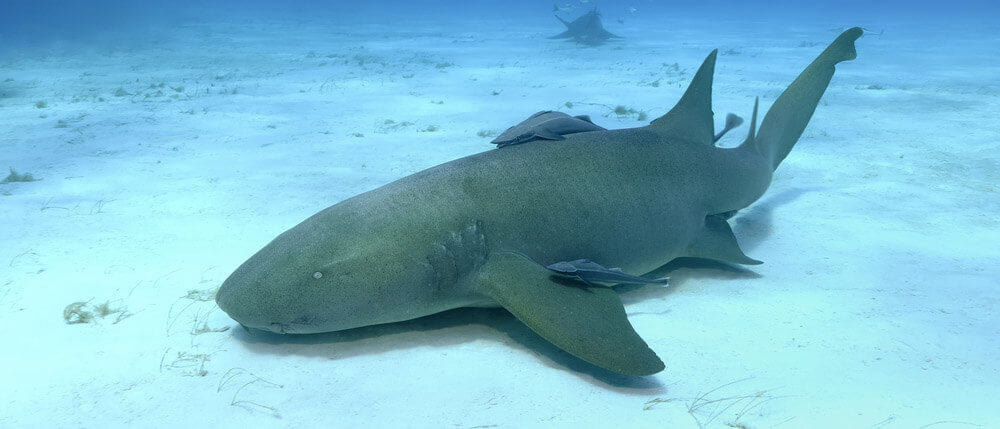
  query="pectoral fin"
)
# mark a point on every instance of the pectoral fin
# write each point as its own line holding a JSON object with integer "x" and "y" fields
{"x": 716, "y": 241}
{"x": 586, "y": 321}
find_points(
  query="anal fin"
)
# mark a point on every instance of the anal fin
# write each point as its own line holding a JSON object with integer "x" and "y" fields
{"x": 717, "y": 241}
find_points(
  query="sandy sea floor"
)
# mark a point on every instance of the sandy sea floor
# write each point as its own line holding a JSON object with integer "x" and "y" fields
{"x": 164, "y": 162}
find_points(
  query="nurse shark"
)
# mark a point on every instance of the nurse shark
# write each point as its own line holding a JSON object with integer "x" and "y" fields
{"x": 587, "y": 30}
{"x": 532, "y": 227}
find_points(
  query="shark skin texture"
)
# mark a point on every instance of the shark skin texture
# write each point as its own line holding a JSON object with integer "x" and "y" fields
{"x": 530, "y": 227}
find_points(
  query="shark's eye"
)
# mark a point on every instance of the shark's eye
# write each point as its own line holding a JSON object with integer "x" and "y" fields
{"x": 317, "y": 275}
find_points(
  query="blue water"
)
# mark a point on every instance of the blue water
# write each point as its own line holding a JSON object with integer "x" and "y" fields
{"x": 174, "y": 139}
{"x": 46, "y": 20}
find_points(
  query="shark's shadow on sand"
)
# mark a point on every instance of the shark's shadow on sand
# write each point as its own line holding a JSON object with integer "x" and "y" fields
{"x": 752, "y": 226}
{"x": 466, "y": 325}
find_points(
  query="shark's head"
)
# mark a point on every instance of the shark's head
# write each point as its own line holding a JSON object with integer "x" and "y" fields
{"x": 322, "y": 276}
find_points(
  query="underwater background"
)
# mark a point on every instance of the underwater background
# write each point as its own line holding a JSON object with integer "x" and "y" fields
{"x": 154, "y": 146}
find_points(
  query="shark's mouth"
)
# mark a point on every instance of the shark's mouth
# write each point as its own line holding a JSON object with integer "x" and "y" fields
{"x": 301, "y": 325}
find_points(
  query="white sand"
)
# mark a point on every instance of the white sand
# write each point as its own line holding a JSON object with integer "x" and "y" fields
{"x": 876, "y": 307}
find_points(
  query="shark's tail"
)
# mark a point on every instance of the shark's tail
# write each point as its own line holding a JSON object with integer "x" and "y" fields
{"x": 790, "y": 113}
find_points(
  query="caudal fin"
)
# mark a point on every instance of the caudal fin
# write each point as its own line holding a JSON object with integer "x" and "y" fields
{"x": 790, "y": 113}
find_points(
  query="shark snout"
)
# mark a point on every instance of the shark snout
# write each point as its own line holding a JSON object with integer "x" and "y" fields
{"x": 245, "y": 303}
{"x": 228, "y": 301}
{"x": 241, "y": 309}
{"x": 255, "y": 303}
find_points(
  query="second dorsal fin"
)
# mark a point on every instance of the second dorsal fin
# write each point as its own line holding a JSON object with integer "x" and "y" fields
{"x": 691, "y": 118}
{"x": 752, "y": 135}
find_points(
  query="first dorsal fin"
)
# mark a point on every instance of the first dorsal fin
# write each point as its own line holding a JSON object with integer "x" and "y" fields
{"x": 691, "y": 118}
